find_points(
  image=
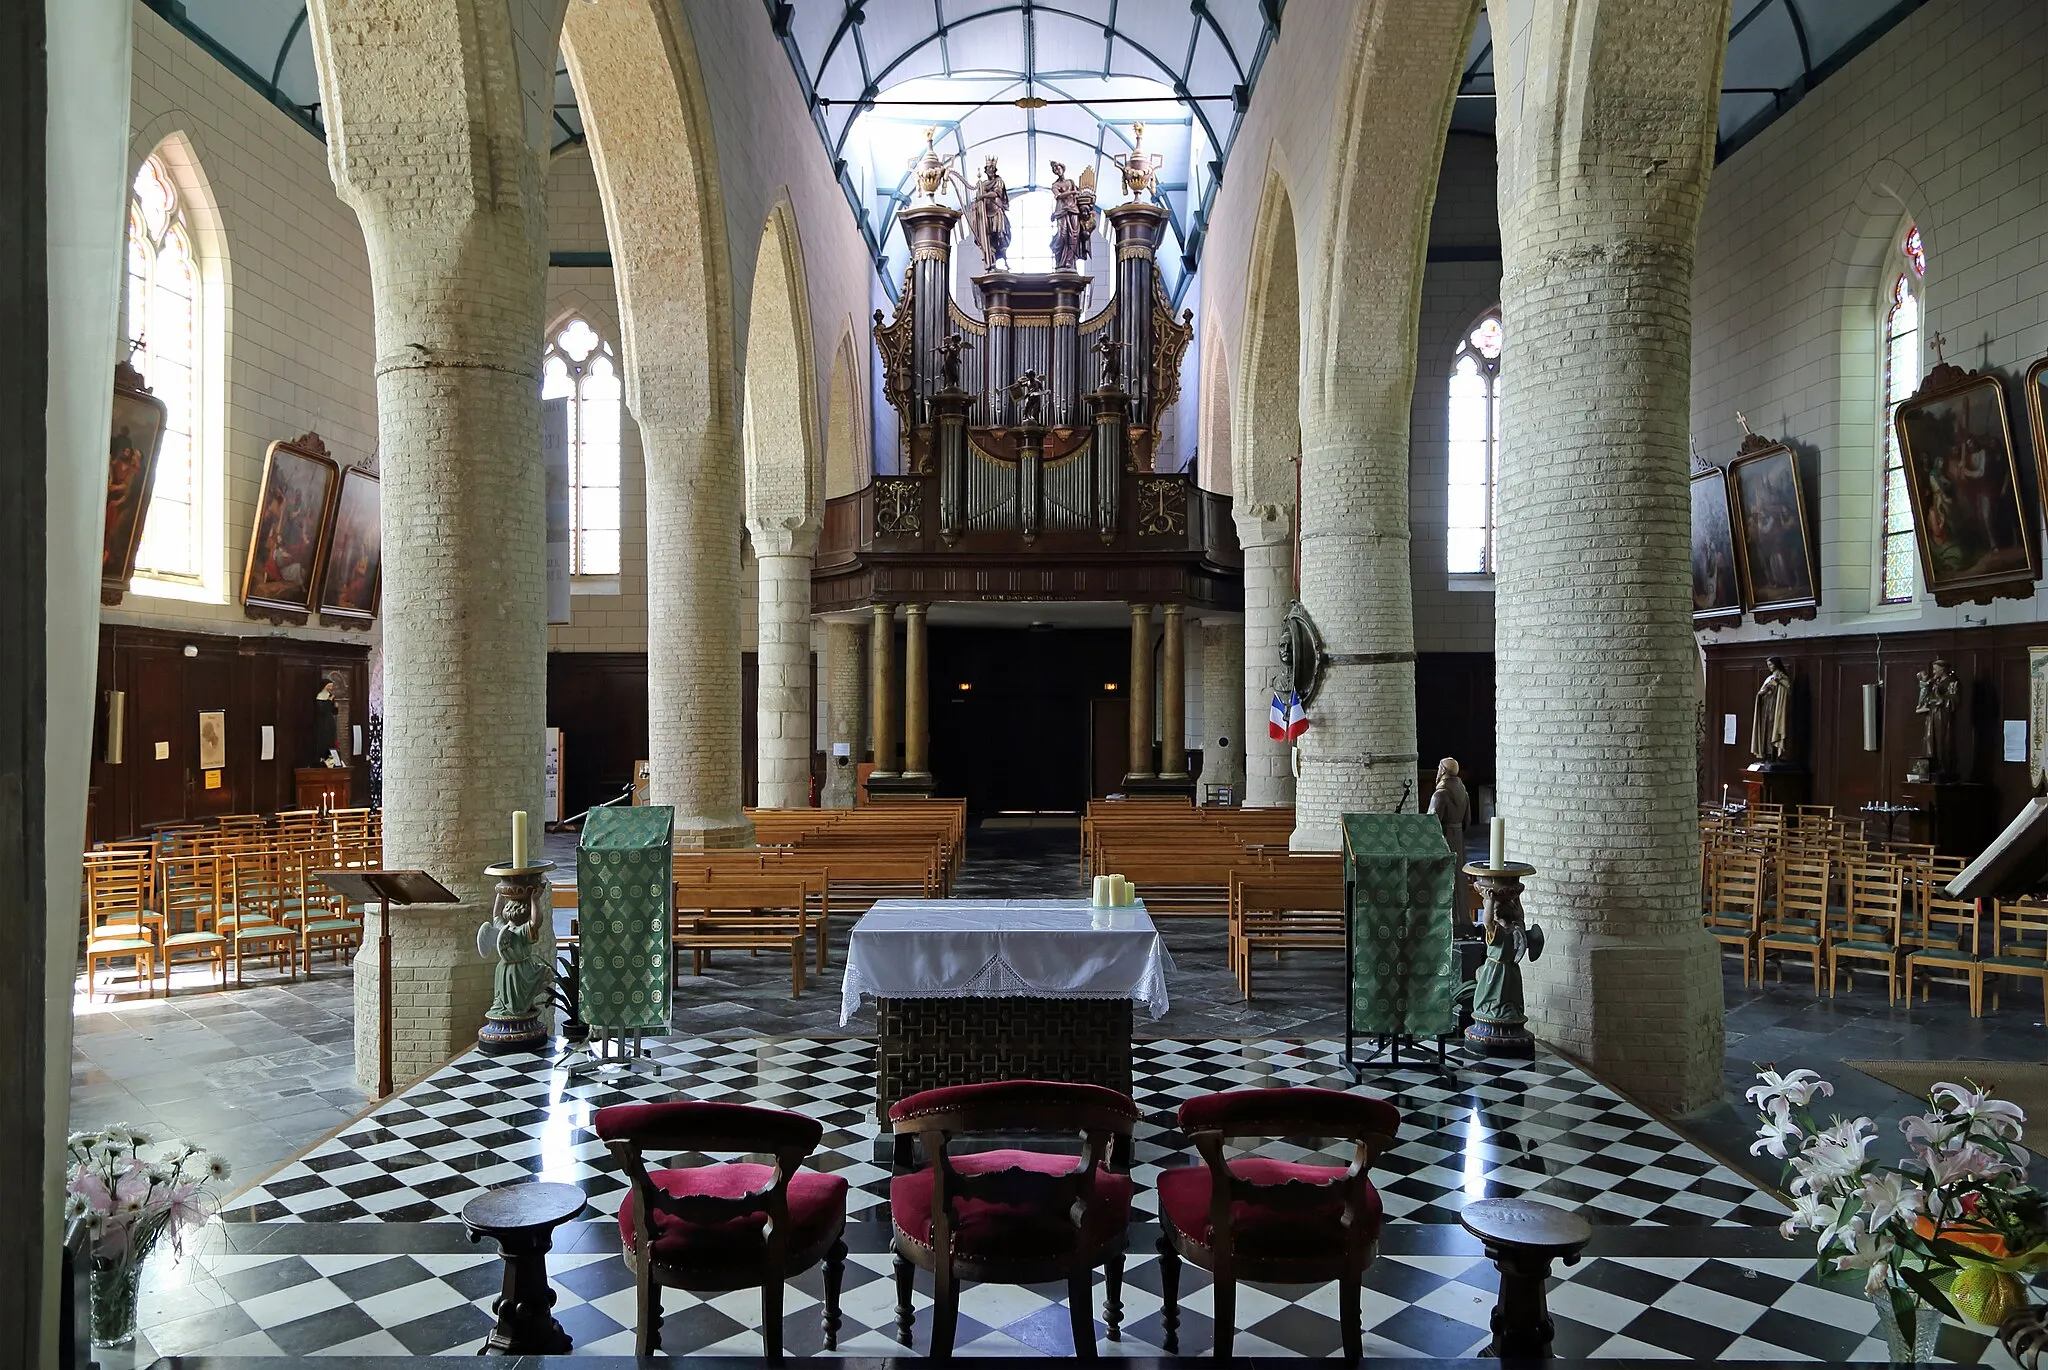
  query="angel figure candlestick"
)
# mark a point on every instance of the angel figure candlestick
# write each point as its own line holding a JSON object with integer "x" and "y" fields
{"x": 1499, "y": 1022}
{"x": 517, "y": 1019}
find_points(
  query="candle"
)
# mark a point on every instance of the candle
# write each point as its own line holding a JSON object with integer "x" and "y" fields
{"x": 1126, "y": 893}
{"x": 1497, "y": 852}
{"x": 1724, "y": 796}
{"x": 1100, "y": 895}
{"x": 519, "y": 838}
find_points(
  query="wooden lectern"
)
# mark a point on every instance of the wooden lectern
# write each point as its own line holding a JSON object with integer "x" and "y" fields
{"x": 386, "y": 888}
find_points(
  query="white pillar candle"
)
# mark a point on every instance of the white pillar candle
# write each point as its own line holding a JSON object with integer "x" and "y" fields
{"x": 1497, "y": 852}
{"x": 519, "y": 838}
{"x": 1099, "y": 896}
{"x": 1126, "y": 893}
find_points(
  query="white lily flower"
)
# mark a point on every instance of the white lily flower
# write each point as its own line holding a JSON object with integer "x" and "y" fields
{"x": 1873, "y": 1254}
{"x": 1810, "y": 1213}
{"x": 1887, "y": 1197}
{"x": 2000, "y": 1117}
{"x": 1778, "y": 1135}
{"x": 1797, "y": 1088}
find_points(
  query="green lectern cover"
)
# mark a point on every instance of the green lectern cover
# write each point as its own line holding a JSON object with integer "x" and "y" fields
{"x": 1400, "y": 880}
{"x": 624, "y": 888}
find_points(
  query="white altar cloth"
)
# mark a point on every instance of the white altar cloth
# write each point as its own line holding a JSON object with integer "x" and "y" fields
{"x": 978, "y": 948}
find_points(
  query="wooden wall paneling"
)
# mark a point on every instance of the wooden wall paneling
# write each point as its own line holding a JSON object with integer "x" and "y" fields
{"x": 1454, "y": 716}
{"x": 209, "y": 684}
{"x": 158, "y": 751}
{"x": 599, "y": 701}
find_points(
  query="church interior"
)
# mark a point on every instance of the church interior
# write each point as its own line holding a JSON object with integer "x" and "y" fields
{"x": 1044, "y": 678}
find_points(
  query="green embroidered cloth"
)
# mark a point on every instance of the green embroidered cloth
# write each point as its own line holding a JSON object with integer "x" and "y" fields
{"x": 1400, "y": 882}
{"x": 624, "y": 892}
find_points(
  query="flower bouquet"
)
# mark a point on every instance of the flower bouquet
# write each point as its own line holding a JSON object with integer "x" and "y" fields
{"x": 128, "y": 1202}
{"x": 1948, "y": 1231}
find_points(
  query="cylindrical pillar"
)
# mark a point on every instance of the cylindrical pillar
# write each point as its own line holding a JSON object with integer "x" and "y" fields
{"x": 917, "y": 723}
{"x": 1139, "y": 765}
{"x": 845, "y": 719}
{"x": 882, "y": 688}
{"x": 1223, "y": 705}
{"x": 1173, "y": 728}
{"x": 783, "y": 693}
{"x": 1596, "y": 659}
{"x": 1266, "y": 533}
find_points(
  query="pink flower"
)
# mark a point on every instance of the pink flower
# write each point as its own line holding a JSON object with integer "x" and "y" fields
{"x": 88, "y": 1186}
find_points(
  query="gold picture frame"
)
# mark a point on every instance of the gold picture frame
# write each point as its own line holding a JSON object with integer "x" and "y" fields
{"x": 1716, "y": 573}
{"x": 1780, "y": 580}
{"x": 1970, "y": 520}
{"x": 288, "y": 542}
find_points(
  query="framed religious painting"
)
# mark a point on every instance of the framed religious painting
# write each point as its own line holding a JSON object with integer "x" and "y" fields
{"x": 1716, "y": 590}
{"x": 2037, "y": 414}
{"x": 354, "y": 567}
{"x": 281, "y": 578}
{"x": 1969, "y": 521}
{"x": 1774, "y": 535}
{"x": 136, "y": 434}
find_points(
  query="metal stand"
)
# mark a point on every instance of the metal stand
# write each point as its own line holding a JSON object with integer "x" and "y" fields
{"x": 609, "y": 1054}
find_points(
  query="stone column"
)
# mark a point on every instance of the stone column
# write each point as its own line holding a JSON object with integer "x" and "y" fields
{"x": 917, "y": 723}
{"x": 783, "y": 706}
{"x": 449, "y": 189}
{"x": 882, "y": 689}
{"x": 1266, "y": 532}
{"x": 1173, "y": 696}
{"x": 1596, "y": 662}
{"x": 845, "y": 721}
{"x": 1223, "y": 717}
{"x": 1139, "y": 765}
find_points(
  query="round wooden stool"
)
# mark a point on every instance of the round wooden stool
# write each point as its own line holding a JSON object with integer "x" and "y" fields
{"x": 1522, "y": 1237}
{"x": 522, "y": 1219}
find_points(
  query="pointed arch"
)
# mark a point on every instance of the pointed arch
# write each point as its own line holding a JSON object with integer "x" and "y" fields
{"x": 848, "y": 466}
{"x": 1213, "y": 437}
{"x": 779, "y": 389}
{"x": 1266, "y": 435}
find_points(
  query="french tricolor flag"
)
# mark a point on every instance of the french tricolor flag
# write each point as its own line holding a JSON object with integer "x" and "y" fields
{"x": 1276, "y": 719}
{"x": 1297, "y": 717}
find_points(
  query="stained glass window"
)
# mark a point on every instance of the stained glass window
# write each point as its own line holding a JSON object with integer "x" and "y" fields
{"x": 1900, "y": 347}
{"x": 1474, "y": 454}
{"x": 163, "y": 318}
{"x": 581, "y": 367}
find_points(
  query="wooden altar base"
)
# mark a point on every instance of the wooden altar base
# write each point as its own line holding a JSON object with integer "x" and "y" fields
{"x": 929, "y": 1043}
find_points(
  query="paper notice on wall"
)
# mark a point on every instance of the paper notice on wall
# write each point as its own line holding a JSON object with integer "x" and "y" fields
{"x": 355, "y": 734}
{"x": 163, "y": 751}
{"x": 267, "y": 744}
{"x": 551, "y": 801}
{"x": 2015, "y": 739}
{"x": 1727, "y": 730}
{"x": 842, "y": 749}
{"x": 554, "y": 447}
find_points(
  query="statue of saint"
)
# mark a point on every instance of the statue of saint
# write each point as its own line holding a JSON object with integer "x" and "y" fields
{"x": 989, "y": 220}
{"x": 948, "y": 350}
{"x": 519, "y": 983}
{"x": 1112, "y": 350}
{"x": 1939, "y": 689}
{"x": 1073, "y": 216}
{"x": 1771, "y": 714}
{"x": 1027, "y": 394}
{"x": 1451, "y": 806}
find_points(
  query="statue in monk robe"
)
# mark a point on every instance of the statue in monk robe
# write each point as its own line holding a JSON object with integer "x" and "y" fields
{"x": 1770, "y": 715}
{"x": 1936, "y": 704}
{"x": 1451, "y": 807}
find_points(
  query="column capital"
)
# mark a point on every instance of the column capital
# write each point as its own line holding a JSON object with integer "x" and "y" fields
{"x": 1263, "y": 525}
{"x": 1141, "y": 611}
{"x": 915, "y": 609}
{"x": 1171, "y": 610}
{"x": 881, "y": 610}
{"x": 777, "y": 538}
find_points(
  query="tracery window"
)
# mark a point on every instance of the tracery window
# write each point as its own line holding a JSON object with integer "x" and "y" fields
{"x": 1474, "y": 467}
{"x": 1899, "y": 346}
{"x": 163, "y": 319}
{"x": 580, "y": 367}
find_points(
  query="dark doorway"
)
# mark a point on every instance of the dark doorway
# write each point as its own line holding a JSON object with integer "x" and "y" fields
{"x": 1018, "y": 735}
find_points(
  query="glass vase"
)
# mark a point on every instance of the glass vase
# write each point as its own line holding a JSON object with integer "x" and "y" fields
{"x": 113, "y": 1284}
{"x": 1914, "y": 1346}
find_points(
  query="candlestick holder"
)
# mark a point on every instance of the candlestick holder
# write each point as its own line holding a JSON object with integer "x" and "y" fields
{"x": 1499, "y": 1021}
{"x": 517, "y": 1019}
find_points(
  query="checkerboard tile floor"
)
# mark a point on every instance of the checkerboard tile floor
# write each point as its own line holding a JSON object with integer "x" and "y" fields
{"x": 1543, "y": 1129}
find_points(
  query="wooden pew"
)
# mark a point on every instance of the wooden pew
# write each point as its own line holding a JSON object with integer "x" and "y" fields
{"x": 741, "y": 911}
{"x": 1297, "y": 902}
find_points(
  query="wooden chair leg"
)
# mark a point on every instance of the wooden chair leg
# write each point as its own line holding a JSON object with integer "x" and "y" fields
{"x": 1223, "y": 1295}
{"x": 1347, "y": 1317}
{"x": 835, "y": 1274}
{"x": 1113, "y": 1297}
{"x": 906, "y": 1282}
{"x": 945, "y": 1310}
{"x": 1169, "y": 1294}
{"x": 771, "y": 1316}
{"x": 1081, "y": 1313}
{"x": 647, "y": 1336}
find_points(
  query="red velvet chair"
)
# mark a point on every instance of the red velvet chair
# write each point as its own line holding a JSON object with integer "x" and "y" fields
{"x": 1013, "y": 1217}
{"x": 725, "y": 1226}
{"x": 1273, "y": 1222}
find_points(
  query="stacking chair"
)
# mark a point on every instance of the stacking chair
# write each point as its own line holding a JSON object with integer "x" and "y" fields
{"x": 1869, "y": 924}
{"x": 2019, "y": 942}
{"x": 1013, "y": 1217}
{"x": 1271, "y": 1221}
{"x": 321, "y": 918}
{"x": 1947, "y": 941}
{"x": 255, "y": 923}
{"x": 120, "y": 923}
{"x": 190, "y": 887}
{"x": 710, "y": 1228}
{"x": 1798, "y": 922}
{"x": 1736, "y": 915}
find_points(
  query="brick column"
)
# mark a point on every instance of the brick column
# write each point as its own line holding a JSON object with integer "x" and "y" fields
{"x": 1139, "y": 753}
{"x": 846, "y": 692}
{"x": 693, "y": 624}
{"x": 1223, "y": 705}
{"x": 449, "y": 190}
{"x": 882, "y": 714}
{"x": 1266, "y": 533}
{"x": 1173, "y": 695}
{"x": 917, "y": 687}
{"x": 783, "y": 700}
{"x": 1596, "y": 662}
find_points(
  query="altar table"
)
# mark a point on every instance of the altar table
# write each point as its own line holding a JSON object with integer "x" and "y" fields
{"x": 968, "y": 990}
